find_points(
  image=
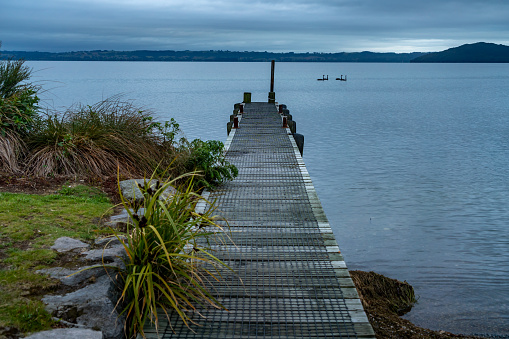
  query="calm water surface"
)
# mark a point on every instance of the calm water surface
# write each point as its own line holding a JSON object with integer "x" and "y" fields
{"x": 411, "y": 162}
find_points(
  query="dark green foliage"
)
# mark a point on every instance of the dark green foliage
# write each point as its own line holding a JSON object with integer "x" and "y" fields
{"x": 18, "y": 99}
{"x": 207, "y": 157}
{"x": 12, "y": 75}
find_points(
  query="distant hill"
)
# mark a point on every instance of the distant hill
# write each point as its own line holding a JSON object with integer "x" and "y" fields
{"x": 102, "y": 55}
{"x": 478, "y": 52}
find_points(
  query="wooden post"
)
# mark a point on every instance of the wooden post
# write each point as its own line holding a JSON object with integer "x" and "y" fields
{"x": 236, "y": 122}
{"x": 272, "y": 66}
{"x": 272, "y": 95}
{"x": 280, "y": 109}
{"x": 247, "y": 97}
{"x": 285, "y": 122}
{"x": 241, "y": 109}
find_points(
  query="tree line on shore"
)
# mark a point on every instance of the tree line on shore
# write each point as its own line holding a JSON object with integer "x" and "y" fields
{"x": 226, "y": 56}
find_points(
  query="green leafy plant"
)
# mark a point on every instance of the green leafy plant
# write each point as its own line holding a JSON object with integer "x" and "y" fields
{"x": 167, "y": 250}
{"x": 207, "y": 157}
{"x": 168, "y": 130}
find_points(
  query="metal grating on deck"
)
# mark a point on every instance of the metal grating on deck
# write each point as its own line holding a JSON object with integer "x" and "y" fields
{"x": 290, "y": 280}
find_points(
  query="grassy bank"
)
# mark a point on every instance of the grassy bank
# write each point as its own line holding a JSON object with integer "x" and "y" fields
{"x": 30, "y": 224}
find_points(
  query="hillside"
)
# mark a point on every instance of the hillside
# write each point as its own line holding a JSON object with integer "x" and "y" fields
{"x": 478, "y": 52}
{"x": 103, "y": 55}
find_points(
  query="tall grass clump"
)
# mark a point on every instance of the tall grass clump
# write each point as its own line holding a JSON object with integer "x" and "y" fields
{"x": 167, "y": 251}
{"x": 94, "y": 140}
{"x": 18, "y": 112}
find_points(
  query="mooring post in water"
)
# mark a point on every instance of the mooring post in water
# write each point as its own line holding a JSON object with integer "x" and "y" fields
{"x": 247, "y": 97}
{"x": 272, "y": 95}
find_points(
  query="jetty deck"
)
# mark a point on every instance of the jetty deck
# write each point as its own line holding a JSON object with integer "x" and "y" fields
{"x": 289, "y": 279}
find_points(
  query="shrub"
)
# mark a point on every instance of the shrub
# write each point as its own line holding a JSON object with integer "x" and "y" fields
{"x": 163, "y": 268}
{"x": 207, "y": 157}
{"x": 18, "y": 112}
{"x": 95, "y": 140}
{"x": 18, "y": 97}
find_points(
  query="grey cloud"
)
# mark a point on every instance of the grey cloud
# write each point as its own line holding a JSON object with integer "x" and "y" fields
{"x": 277, "y": 25}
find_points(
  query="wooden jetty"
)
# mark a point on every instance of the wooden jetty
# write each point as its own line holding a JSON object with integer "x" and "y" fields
{"x": 324, "y": 78}
{"x": 341, "y": 78}
{"x": 289, "y": 279}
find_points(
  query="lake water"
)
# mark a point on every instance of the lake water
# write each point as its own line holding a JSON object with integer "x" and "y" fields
{"x": 410, "y": 161}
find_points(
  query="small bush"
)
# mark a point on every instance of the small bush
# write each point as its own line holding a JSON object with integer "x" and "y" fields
{"x": 18, "y": 112}
{"x": 18, "y": 97}
{"x": 207, "y": 157}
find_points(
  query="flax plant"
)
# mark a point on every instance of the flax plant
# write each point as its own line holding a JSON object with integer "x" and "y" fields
{"x": 165, "y": 264}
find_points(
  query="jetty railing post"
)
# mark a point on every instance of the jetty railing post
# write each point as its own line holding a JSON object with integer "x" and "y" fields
{"x": 236, "y": 122}
{"x": 285, "y": 122}
{"x": 272, "y": 95}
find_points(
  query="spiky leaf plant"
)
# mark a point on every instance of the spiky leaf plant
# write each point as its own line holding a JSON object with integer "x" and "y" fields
{"x": 165, "y": 265}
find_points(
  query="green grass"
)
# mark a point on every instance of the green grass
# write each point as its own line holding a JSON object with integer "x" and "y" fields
{"x": 29, "y": 225}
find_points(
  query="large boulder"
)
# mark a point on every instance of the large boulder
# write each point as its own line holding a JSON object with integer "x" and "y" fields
{"x": 92, "y": 306}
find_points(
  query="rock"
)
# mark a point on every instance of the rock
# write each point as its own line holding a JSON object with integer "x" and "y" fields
{"x": 107, "y": 254}
{"x": 109, "y": 241}
{"x": 130, "y": 190}
{"x": 8, "y": 332}
{"x": 65, "y": 244}
{"x": 66, "y": 333}
{"x": 92, "y": 306}
{"x": 75, "y": 277}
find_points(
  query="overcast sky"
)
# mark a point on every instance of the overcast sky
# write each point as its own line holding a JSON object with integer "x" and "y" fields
{"x": 251, "y": 25}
